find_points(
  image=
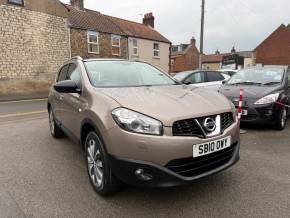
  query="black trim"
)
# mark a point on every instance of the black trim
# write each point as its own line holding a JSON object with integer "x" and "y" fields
{"x": 124, "y": 169}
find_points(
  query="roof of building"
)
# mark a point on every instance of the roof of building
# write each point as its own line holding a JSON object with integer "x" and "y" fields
{"x": 184, "y": 49}
{"x": 138, "y": 30}
{"x": 216, "y": 58}
{"x": 212, "y": 58}
{"x": 94, "y": 20}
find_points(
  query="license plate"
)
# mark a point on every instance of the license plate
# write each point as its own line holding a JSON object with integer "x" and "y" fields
{"x": 211, "y": 147}
{"x": 244, "y": 112}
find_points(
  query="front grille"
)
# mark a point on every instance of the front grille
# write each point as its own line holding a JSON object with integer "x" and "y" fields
{"x": 249, "y": 117}
{"x": 190, "y": 127}
{"x": 227, "y": 119}
{"x": 187, "y": 127}
{"x": 190, "y": 167}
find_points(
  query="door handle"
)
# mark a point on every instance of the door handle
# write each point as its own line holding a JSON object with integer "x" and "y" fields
{"x": 60, "y": 97}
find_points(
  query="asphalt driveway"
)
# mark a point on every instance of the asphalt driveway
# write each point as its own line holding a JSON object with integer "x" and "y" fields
{"x": 44, "y": 177}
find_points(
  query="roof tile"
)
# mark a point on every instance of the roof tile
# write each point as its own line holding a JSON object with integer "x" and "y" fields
{"x": 93, "y": 20}
{"x": 138, "y": 30}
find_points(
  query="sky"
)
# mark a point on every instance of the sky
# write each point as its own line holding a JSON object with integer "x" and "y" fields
{"x": 240, "y": 23}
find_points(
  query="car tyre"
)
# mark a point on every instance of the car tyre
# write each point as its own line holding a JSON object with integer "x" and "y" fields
{"x": 100, "y": 174}
{"x": 282, "y": 119}
{"x": 55, "y": 129}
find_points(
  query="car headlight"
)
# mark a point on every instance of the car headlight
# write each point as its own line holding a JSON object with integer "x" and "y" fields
{"x": 136, "y": 122}
{"x": 268, "y": 99}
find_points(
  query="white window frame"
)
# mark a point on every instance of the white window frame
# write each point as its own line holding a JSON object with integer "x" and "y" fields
{"x": 116, "y": 46}
{"x": 156, "y": 50}
{"x": 135, "y": 47}
{"x": 92, "y": 33}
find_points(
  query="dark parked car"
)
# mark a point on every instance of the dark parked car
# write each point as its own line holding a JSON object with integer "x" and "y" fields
{"x": 266, "y": 89}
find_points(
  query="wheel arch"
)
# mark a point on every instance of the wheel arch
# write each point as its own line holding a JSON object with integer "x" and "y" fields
{"x": 87, "y": 126}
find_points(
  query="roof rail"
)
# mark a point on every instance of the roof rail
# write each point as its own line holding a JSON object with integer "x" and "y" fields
{"x": 78, "y": 58}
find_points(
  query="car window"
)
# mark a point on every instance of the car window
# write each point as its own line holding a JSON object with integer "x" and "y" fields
{"x": 125, "y": 74}
{"x": 214, "y": 76}
{"x": 74, "y": 74}
{"x": 62, "y": 73}
{"x": 259, "y": 76}
{"x": 195, "y": 78}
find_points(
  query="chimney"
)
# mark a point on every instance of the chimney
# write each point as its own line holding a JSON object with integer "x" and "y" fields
{"x": 148, "y": 20}
{"x": 79, "y": 4}
{"x": 192, "y": 41}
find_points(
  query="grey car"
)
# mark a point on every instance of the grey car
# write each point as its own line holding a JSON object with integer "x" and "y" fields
{"x": 266, "y": 94}
{"x": 209, "y": 79}
{"x": 138, "y": 126}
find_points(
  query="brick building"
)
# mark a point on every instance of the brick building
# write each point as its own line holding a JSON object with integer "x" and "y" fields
{"x": 275, "y": 49}
{"x": 95, "y": 35}
{"x": 184, "y": 57}
{"x": 215, "y": 61}
{"x": 34, "y": 39}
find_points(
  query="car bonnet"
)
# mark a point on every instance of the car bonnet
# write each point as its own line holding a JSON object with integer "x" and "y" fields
{"x": 170, "y": 103}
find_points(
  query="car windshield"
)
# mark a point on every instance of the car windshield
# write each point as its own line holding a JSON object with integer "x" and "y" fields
{"x": 258, "y": 76}
{"x": 181, "y": 76}
{"x": 125, "y": 74}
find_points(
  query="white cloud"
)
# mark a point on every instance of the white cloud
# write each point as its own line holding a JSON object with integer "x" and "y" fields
{"x": 244, "y": 23}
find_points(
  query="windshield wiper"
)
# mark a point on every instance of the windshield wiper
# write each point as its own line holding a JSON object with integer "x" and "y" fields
{"x": 246, "y": 83}
{"x": 271, "y": 83}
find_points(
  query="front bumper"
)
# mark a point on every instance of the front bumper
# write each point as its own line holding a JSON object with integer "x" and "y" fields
{"x": 164, "y": 157}
{"x": 167, "y": 176}
{"x": 264, "y": 114}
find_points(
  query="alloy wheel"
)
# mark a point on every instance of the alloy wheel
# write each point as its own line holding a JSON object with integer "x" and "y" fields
{"x": 95, "y": 163}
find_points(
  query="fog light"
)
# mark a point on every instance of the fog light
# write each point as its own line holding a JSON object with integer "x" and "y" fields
{"x": 142, "y": 175}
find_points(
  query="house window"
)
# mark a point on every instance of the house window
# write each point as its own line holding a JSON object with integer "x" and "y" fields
{"x": 16, "y": 2}
{"x": 116, "y": 45}
{"x": 135, "y": 47}
{"x": 93, "y": 42}
{"x": 156, "y": 50}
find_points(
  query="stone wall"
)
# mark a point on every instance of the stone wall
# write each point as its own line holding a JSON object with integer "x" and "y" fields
{"x": 79, "y": 45}
{"x": 33, "y": 45}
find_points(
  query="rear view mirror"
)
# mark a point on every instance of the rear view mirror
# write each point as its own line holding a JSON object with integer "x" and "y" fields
{"x": 67, "y": 86}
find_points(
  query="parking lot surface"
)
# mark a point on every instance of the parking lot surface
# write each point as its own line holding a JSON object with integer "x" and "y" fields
{"x": 44, "y": 177}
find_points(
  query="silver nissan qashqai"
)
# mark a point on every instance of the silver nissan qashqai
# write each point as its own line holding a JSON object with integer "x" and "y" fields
{"x": 139, "y": 126}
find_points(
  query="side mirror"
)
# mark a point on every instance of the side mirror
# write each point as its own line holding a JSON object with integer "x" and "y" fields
{"x": 67, "y": 86}
{"x": 225, "y": 81}
{"x": 186, "y": 82}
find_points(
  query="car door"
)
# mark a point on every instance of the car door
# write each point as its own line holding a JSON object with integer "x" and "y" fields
{"x": 73, "y": 103}
{"x": 57, "y": 99}
{"x": 214, "y": 80}
{"x": 196, "y": 79}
